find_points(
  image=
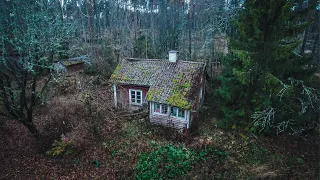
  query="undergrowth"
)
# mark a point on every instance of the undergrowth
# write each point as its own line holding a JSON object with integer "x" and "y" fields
{"x": 62, "y": 147}
{"x": 167, "y": 161}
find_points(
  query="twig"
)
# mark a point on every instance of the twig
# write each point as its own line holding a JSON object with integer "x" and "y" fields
{"x": 254, "y": 136}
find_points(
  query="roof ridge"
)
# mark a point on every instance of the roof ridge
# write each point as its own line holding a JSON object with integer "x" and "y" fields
{"x": 141, "y": 59}
{"x": 194, "y": 62}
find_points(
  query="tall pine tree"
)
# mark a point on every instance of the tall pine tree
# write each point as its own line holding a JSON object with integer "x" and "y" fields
{"x": 265, "y": 84}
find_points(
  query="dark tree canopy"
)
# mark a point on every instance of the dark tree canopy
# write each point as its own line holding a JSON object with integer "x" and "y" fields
{"x": 265, "y": 78}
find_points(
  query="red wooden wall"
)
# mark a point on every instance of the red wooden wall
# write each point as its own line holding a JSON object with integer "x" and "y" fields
{"x": 75, "y": 67}
{"x": 123, "y": 96}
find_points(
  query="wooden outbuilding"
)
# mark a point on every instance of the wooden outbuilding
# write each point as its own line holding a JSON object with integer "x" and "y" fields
{"x": 71, "y": 65}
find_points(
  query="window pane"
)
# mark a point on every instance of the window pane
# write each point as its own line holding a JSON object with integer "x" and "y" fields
{"x": 133, "y": 100}
{"x": 181, "y": 113}
{"x": 138, "y": 93}
{"x": 138, "y": 97}
{"x": 164, "y": 109}
{"x": 173, "y": 111}
{"x": 138, "y": 101}
{"x": 157, "y": 107}
{"x": 133, "y": 95}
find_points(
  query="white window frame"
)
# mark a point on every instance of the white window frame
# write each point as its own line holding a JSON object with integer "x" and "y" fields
{"x": 161, "y": 105}
{"x": 161, "y": 108}
{"x": 177, "y": 115}
{"x": 154, "y": 109}
{"x": 169, "y": 111}
{"x": 135, "y": 94}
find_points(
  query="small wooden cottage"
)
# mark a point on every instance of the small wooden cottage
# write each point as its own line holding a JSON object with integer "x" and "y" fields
{"x": 71, "y": 65}
{"x": 173, "y": 90}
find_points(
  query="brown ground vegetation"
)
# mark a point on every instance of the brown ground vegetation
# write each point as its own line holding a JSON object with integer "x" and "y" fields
{"x": 115, "y": 140}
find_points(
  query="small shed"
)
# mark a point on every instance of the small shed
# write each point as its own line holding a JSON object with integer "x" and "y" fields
{"x": 71, "y": 65}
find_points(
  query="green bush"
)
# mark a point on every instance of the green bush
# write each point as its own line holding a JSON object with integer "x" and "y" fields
{"x": 63, "y": 147}
{"x": 166, "y": 162}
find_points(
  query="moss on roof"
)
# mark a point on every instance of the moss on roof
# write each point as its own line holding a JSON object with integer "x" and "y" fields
{"x": 181, "y": 87}
{"x": 70, "y": 63}
{"x": 170, "y": 83}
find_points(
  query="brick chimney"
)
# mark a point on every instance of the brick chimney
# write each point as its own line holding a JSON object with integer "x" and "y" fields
{"x": 173, "y": 56}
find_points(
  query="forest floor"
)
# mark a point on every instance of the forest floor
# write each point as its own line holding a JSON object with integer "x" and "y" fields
{"x": 107, "y": 144}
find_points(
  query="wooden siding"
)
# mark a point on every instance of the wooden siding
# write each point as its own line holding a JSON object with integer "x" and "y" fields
{"x": 75, "y": 67}
{"x": 123, "y": 96}
{"x": 169, "y": 121}
{"x": 122, "y": 101}
{"x": 199, "y": 101}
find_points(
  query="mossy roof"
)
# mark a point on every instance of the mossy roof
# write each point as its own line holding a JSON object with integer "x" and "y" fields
{"x": 68, "y": 63}
{"x": 75, "y": 60}
{"x": 175, "y": 84}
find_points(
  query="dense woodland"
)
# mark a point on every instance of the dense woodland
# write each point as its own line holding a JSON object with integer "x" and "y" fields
{"x": 263, "y": 76}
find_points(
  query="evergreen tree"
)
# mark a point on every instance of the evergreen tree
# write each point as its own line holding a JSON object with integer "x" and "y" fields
{"x": 265, "y": 82}
{"x": 142, "y": 48}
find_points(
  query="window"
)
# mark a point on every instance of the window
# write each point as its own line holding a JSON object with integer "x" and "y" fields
{"x": 164, "y": 109}
{"x": 160, "y": 108}
{"x": 156, "y": 108}
{"x": 177, "y": 112}
{"x": 135, "y": 96}
{"x": 174, "y": 111}
{"x": 181, "y": 113}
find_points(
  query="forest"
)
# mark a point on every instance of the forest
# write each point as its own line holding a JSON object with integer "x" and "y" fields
{"x": 259, "y": 120}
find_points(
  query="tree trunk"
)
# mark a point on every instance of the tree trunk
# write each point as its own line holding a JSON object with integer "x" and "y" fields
{"x": 107, "y": 21}
{"x": 304, "y": 42}
{"x": 190, "y": 28}
{"x": 90, "y": 19}
{"x": 32, "y": 128}
{"x": 316, "y": 44}
{"x": 152, "y": 27}
{"x": 84, "y": 32}
{"x": 135, "y": 19}
{"x": 61, "y": 9}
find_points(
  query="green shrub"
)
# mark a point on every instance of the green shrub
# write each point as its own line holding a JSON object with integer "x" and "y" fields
{"x": 63, "y": 147}
{"x": 166, "y": 162}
